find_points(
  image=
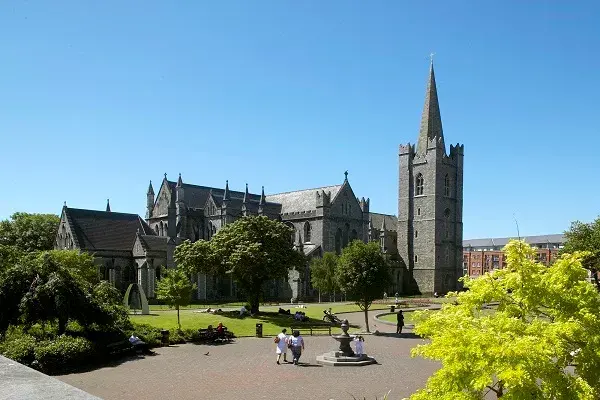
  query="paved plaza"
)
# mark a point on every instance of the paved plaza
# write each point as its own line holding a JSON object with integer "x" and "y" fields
{"x": 246, "y": 369}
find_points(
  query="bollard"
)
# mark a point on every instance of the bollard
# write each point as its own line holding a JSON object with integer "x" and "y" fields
{"x": 392, "y": 308}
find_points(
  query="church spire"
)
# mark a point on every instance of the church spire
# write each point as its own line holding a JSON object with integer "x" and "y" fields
{"x": 150, "y": 189}
{"x": 107, "y": 205}
{"x": 226, "y": 194}
{"x": 179, "y": 181}
{"x": 262, "y": 200}
{"x": 431, "y": 120}
{"x": 383, "y": 227}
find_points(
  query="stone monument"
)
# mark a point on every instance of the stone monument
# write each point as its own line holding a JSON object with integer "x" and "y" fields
{"x": 344, "y": 357}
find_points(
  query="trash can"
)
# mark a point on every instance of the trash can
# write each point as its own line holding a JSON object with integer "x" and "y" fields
{"x": 165, "y": 337}
{"x": 392, "y": 308}
{"x": 258, "y": 330}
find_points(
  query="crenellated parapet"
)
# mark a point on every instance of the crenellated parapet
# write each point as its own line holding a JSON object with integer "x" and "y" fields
{"x": 406, "y": 149}
{"x": 458, "y": 150}
{"x": 296, "y": 215}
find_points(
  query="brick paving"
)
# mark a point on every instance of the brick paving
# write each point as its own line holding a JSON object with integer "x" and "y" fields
{"x": 246, "y": 370}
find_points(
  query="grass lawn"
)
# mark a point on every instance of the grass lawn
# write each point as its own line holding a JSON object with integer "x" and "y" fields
{"x": 408, "y": 318}
{"x": 272, "y": 322}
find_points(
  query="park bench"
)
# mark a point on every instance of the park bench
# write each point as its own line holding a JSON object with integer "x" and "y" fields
{"x": 212, "y": 335}
{"x": 312, "y": 330}
{"x": 120, "y": 347}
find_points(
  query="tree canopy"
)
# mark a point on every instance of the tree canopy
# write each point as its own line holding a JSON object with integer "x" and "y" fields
{"x": 29, "y": 232}
{"x": 252, "y": 250}
{"x": 586, "y": 237}
{"x": 50, "y": 287}
{"x": 322, "y": 272}
{"x": 175, "y": 289}
{"x": 362, "y": 273}
{"x": 546, "y": 320}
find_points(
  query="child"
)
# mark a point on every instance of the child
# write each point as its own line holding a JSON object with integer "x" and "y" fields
{"x": 359, "y": 345}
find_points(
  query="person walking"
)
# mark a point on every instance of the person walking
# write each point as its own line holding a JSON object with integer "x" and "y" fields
{"x": 296, "y": 343}
{"x": 400, "y": 323}
{"x": 282, "y": 343}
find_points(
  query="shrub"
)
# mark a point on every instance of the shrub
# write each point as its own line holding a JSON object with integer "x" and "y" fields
{"x": 18, "y": 346}
{"x": 62, "y": 353}
{"x": 148, "y": 334}
{"x": 177, "y": 336}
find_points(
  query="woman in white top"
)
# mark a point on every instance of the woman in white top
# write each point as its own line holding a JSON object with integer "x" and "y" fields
{"x": 282, "y": 343}
{"x": 297, "y": 345}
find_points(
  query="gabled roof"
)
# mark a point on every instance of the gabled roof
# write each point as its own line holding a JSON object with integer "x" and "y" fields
{"x": 391, "y": 221}
{"x": 501, "y": 242}
{"x": 153, "y": 242}
{"x": 195, "y": 196}
{"x": 101, "y": 230}
{"x": 301, "y": 200}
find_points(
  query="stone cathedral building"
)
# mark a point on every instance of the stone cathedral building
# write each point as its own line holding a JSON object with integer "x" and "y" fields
{"x": 423, "y": 244}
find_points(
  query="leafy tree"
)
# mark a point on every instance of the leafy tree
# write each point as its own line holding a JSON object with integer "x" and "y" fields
{"x": 586, "y": 237}
{"x": 175, "y": 289}
{"x": 9, "y": 256}
{"x": 362, "y": 273}
{"x": 252, "y": 249}
{"x": 195, "y": 257}
{"x": 29, "y": 232}
{"x": 47, "y": 288}
{"x": 546, "y": 320}
{"x": 322, "y": 272}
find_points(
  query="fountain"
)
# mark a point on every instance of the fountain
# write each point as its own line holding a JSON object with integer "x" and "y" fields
{"x": 345, "y": 355}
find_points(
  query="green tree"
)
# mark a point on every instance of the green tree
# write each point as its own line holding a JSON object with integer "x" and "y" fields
{"x": 362, "y": 273}
{"x": 47, "y": 288}
{"x": 29, "y": 232}
{"x": 546, "y": 320}
{"x": 195, "y": 257}
{"x": 175, "y": 289}
{"x": 585, "y": 237}
{"x": 322, "y": 271}
{"x": 254, "y": 250}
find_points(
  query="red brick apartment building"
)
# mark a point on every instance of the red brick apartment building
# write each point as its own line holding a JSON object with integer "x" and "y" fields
{"x": 483, "y": 255}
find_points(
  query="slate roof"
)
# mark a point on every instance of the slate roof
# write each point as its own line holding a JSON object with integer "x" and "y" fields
{"x": 391, "y": 221}
{"x": 501, "y": 242}
{"x": 153, "y": 242}
{"x": 101, "y": 230}
{"x": 301, "y": 200}
{"x": 195, "y": 196}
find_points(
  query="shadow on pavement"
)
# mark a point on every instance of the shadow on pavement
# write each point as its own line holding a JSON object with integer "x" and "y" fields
{"x": 403, "y": 335}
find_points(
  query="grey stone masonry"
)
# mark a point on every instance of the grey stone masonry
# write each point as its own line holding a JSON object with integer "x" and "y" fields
{"x": 430, "y": 201}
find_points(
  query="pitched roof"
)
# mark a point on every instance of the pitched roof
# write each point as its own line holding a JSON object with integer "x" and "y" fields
{"x": 301, "y": 200}
{"x": 501, "y": 242}
{"x": 391, "y": 221}
{"x": 101, "y": 230}
{"x": 153, "y": 242}
{"x": 195, "y": 196}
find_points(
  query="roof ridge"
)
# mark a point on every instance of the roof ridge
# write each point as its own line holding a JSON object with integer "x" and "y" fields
{"x": 304, "y": 190}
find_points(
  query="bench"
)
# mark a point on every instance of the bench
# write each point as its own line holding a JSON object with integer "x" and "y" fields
{"x": 312, "y": 329}
{"x": 212, "y": 335}
{"x": 122, "y": 346}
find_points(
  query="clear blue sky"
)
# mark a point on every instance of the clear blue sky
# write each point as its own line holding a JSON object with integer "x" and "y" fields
{"x": 99, "y": 97}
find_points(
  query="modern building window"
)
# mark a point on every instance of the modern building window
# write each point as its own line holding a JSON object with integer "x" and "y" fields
{"x": 416, "y": 258}
{"x": 419, "y": 184}
{"x": 416, "y": 234}
{"x": 447, "y": 186}
{"x": 307, "y": 231}
{"x": 419, "y": 211}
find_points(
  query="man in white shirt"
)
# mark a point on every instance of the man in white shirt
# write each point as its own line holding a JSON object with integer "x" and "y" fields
{"x": 282, "y": 342}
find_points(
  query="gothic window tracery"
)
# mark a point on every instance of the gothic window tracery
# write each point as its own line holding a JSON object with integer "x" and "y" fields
{"x": 307, "y": 231}
{"x": 447, "y": 186}
{"x": 419, "y": 184}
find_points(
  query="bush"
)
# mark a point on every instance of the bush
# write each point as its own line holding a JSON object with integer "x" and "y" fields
{"x": 148, "y": 334}
{"x": 64, "y": 352}
{"x": 177, "y": 336}
{"x": 18, "y": 346}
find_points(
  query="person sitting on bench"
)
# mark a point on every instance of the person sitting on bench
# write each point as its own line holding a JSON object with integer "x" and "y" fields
{"x": 138, "y": 344}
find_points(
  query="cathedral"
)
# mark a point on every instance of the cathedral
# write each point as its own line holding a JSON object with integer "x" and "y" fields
{"x": 423, "y": 244}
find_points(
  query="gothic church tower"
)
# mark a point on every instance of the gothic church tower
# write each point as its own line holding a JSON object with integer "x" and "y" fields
{"x": 430, "y": 201}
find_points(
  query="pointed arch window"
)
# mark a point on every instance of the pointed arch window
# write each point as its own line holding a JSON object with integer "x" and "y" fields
{"x": 447, "y": 186}
{"x": 419, "y": 184}
{"x": 307, "y": 231}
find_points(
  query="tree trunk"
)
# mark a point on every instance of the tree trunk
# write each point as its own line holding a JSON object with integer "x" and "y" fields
{"x": 596, "y": 281}
{"x": 319, "y": 295}
{"x": 254, "y": 303}
{"x": 367, "y": 317}
{"x": 178, "y": 321}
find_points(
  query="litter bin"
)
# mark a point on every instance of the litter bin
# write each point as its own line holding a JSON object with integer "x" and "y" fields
{"x": 258, "y": 330}
{"x": 392, "y": 308}
{"x": 165, "y": 337}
